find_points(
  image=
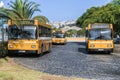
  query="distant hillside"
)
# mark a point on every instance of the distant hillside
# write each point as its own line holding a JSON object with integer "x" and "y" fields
{"x": 66, "y": 25}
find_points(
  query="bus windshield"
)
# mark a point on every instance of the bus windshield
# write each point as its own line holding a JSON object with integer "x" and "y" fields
{"x": 60, "y": 35}
{"x": 27, "y": 32}
{"x": 13, "y": 32}
{"x": 101, "y": 34}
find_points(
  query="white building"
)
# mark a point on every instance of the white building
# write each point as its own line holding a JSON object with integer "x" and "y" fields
{"x": 66, "y": 25}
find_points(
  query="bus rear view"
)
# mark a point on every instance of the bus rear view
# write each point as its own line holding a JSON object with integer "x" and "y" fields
{"x": 99, "y": 37}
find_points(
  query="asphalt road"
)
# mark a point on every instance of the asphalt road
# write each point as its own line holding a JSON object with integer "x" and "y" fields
{"x": 72, "y": 60}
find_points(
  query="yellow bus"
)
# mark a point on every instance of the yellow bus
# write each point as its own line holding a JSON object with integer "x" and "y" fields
{"x": 30, "y": 36}
{"x": 99, "y": 37}
{"x": 58, "y": 37}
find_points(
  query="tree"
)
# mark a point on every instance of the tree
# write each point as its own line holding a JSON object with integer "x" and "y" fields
{"x": 116, "y": 2}
{"x": 116, "y": 6}
{"x": 71, "y": 32}
{"x": 87, "y": 15}
{"x": 2, "y": 12}
{"x": 108, "y": 13}
{"x": 81, "y": 32}
{"x": 23, "y": 8}
{"x": 20, "y": 9}
{"x": 41, "y": 18}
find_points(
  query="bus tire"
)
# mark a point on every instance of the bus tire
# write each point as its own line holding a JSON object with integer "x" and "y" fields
{"x": 108, "y": 52}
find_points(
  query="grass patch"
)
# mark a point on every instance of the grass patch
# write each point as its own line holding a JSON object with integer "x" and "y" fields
{"x": 6, "y": 76}
{"x": 0, "y": 62}
{"x": 11, "y": 71}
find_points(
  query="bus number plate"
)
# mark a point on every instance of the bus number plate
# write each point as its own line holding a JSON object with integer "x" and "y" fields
{"x": 100, "y": 49}
{"x": 21, "y": 51}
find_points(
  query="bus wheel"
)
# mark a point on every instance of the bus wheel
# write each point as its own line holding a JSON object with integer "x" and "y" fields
{"x": 108, "y": 52}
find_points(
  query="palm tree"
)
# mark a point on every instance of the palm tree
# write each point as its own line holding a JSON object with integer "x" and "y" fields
{"x": 22, "y": 9}
{"x": 41, "y": 18}
{"x": 8, "y": 13}
{"x": 116, "y": 2}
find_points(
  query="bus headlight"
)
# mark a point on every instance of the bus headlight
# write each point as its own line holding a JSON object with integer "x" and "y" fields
{"x": 11, "y": 46}
{"x": 33, "y": 46}
{"x": 109, "y": 45}
{"x": 92, "y": 45}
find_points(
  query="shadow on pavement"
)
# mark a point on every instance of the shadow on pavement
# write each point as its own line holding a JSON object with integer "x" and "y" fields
{"x": 16, "y": 55}
{"x": 79, "y": 43}
{"x": 98, "y": 53}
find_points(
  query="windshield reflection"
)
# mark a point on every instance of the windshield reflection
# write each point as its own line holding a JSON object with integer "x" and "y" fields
{"x": 105, "y": 34}
{"x": 13, "y": 32}
{"x": 27, "y": 32}
{"x": 58, "y": 35}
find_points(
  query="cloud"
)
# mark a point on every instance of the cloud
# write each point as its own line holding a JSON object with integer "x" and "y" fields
{"x": 1, "y": 4}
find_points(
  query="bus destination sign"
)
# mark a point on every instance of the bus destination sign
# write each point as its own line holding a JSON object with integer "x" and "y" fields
{"x": 23, "y": 22}
{"x": 93, "y": 26}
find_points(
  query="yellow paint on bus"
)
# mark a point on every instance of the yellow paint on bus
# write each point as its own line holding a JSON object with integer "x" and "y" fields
{"x": 58, "y": 37}
{"x": 31, "y": 36}
{"x": 99, "y": 37}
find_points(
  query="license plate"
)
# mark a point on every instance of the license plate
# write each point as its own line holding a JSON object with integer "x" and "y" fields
{"x": 21, "y": 51}
{"x": 100, "y": 49}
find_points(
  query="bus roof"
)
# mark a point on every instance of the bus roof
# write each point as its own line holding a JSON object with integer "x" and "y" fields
{"x": 28, "y": 22}
{"x": 44, "y": 24}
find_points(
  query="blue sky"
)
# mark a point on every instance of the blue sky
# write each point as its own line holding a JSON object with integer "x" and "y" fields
{"x": 60, "y": 10}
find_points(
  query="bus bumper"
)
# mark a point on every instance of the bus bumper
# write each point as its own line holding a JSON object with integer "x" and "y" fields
{"x": 101, "y": 50}
{"x": 58, "y": 42}
{"x": 22, "y": 51}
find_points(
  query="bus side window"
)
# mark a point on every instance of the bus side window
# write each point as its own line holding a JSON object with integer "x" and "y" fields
{"x": 48, "y": 32}
{"x": 44, "y": 32}
{"x": 41, "y": 31}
